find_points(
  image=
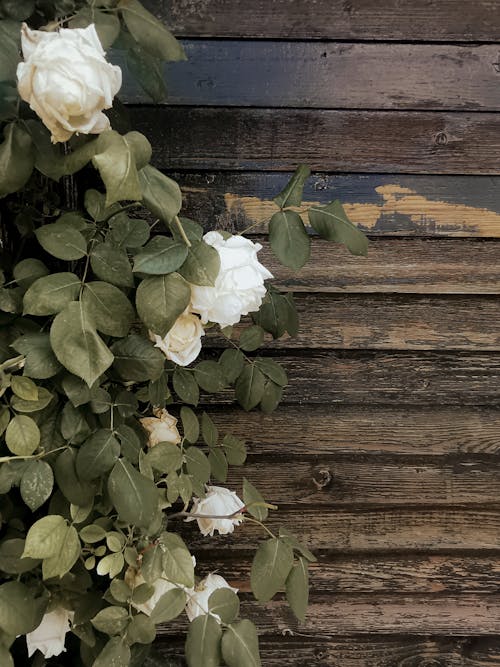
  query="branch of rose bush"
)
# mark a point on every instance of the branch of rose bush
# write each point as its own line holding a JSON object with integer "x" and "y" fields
{"x": 237, "y": 514}
{"x": 181, "y": 231}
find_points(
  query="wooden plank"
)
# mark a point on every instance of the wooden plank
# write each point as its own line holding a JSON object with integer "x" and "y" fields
{"x": 454, "y": 20}
{"x": 329, "y": 481}
{"x": 380, "y": 573}
{"x": 331, "y": 76}
{"x": 382, "y": 205}
{"x": 336, "y": 141}
{"x": 372, "y": 378}
{"x": 388, "y": 322}
{"x": 299, "y": 648}
{"x": 345, "y": 429}
{"x": 409, "y": 266}
{"x": 390, "y": 530}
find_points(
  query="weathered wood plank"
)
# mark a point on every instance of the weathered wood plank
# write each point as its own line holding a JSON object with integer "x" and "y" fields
{"x": 400, "y": 529}
{"x": 337, "y": 141}
{"x": 382, "y": 205}
{"x": 329, "y": 75}
{"x": 410, "y": 266}
{"x": 344, "y": 429}
{"x": 454, "y": 20}
{"x": 381, "y": 573}
{"x": 371, "y": 378}
{"x": 388, "y": 322}
{"x": 332, "y": 482}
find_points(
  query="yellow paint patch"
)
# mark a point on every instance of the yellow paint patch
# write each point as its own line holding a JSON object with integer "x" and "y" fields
{"x": 402, "y": 211}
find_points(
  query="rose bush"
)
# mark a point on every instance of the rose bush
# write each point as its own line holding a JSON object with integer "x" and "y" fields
{"x": 104, "y": 290}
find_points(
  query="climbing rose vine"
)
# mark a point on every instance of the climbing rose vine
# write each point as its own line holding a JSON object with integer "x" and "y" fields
{"x": 109, "y": 467}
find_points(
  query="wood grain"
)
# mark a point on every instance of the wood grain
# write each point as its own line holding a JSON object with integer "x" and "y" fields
{"x": 336, "y": 141}
{"x": 382, "y": 205}
{"x": 454, "y": 20}
{"x": 388, "y": 322}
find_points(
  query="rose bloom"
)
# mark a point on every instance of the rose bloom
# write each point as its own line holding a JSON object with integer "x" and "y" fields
{"x": 49, "y": 636}
{"x": 161, "y": 428}
{"x": 198, "y": 597}
{"x": 66, "y": 80}
{"x": 218, "y": 502}
{"x": 182, "y": 344}
{"x": 239, "y": 286}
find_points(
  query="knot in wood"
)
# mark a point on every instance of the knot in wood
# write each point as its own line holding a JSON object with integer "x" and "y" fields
{"x": 441, "y": 139}
{"x": 322, "y": 478}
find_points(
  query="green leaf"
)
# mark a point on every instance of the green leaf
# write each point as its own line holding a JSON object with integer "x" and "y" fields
{"x": 235, "y": 450}
{"x": 51, "y": 294}
{"x": 106, "y": 25}
{"x": 203, "y": 642}
{"x": 149, "y": 32}
{"x": 197, "y": 464}
{"x": 202, "y": 264}
{"x": 20, "y": 611}
{"x": 116, "y": 163}
{"x": 62, "y": 241}
{"x": 108, "y": 307}
{"x": 277, "y": 314}
{"x": 24, "y": 388}
{"x": 77, "y": 345}
{"x": 111, "y": 620}
{"x": 68, "y": 552}
{"x": 232, "y": 362}
{"x": 292, "y": 193}
{"x": 225, "y": 604}
{"x": 254, "y": 501}
{"x": 22, "y": 435}
{"x": 134, "y": 496}
{"x": 16, "y": 158}
{"x": 161, "y": 255}
{"x": 41, "y": 362}
{"x": 297, "y": 588}
{"x": 11, "y": 558}
{"x": 289, "y": 239}
{"x": 72, "y": 487}
{"x": 185, "y": 386}
{"x": 160, "y": 300}
{"x": 10, "y": 38}
{"x": 22, "y": 405}
{"x": 272, "y": 370}
{"x": 141, "y": 630}
{"x": 209, "y": 430}
{"x": 251, "y": 338}
{"x": 127, "y": 232}
{"x": 271, "y": 397}
{"x": 270, "y": 568}
{"x": 249, "y": 387}
{"x": 116, "y": 653}
{"x": 6, "y": 658}
{"x": 111, "y": 265}
{"x": 218, "y": 464}
{"x": 191, "y": 229}
{"x": 92, "y": 533}
{"x": 210, "y": 376}
{"x": 169, "y": 606}
{"x": 37, "y": 484}
{"x": 45, "y": 536}
{"x": 28, "y": 270}
{"x": 240, "y": 645}
{"x": 97, "y": 455}
{"x": 290, "y": 538}
{"x": 332, "y": 224}
{"x": 177, "y": 562}
{"x": 190, "y": 425}
{"x": 148, "y": 72}
{"x": 160, "y": 194}
{"x": 136, "y": 359}
{"x": 165, "y": 457}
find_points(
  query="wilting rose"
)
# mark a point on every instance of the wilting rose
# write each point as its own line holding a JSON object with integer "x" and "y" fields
{"x": 66, "y": 80}
{"x": 239, "y": 286}
{"x": 198, "y": 597}
{"x": 182, "y": 344}
{"x": 49, "y": 636}
{"x": 218, "y": 502}
{"x": 161, "y": 428}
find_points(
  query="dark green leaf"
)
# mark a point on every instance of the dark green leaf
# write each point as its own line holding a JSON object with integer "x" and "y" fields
{"x": 161, "y": 255}
{"x": 240, "y": 645}
{"x": 225, "y": 604}
{"x": 254, "y": 501}
{"x": 73, "y": 488}
{"x": 41, "y": 362}
{"x": 297, "y": 588}
{"x": 148, "y": 72}
{"x": 235, "y": 450}
{"x": 115, "y": 160}
{"x": 218, "y": 464}
{"x": 160, "y": 300}
{"x": 292, "y": 193}
{"x": 51, "y": 294}
{"x": 169, "y": 606}
{"x": 28, "y": 270}
{"x": 20, "y": 611}
{"x": 190, "y": 425}
{"x": 97, "y": 455}
{"x": 197, "y": 464}
{"x": 251, "y": 338}
{"x": 289, "y": 239}
{"x": 210, "y": 376}
{"x": 111, "y": 265}
{"x": 149, "y": 32}
{"x": 16, "y": 158}
{"x": 177, "y": 561}
{"x": 137, "y": 359}
{"x": 108, "y": 307}
{"x": 209, "y": 430}
{"x": 185, "y": 386}
{"x": 232, "y": 362}
{"x": 270, "y": 568}
{"x": 160, "y": 194}
{"x": 62, "y": 241}
{"x": 203, "y": 642}
{"x": 134, "y": 496}
{"x": 249, "y": 387}
{"x": 116, "y": 653}
{"x": 332, "y": 224}
{"x": 202, "y": 264}
{"x": 37, "y": 484}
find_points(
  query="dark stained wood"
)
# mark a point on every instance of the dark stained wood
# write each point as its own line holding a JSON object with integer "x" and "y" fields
{"x": 346, "y": 429}
{"x": 440, "y": 20}
{"x": 359, "y": 141}
{"x": 388, "y": 322}
{"x": 331, "y": 76}
{"x": 408, "y": 266}
{"x": 382, "y": 205}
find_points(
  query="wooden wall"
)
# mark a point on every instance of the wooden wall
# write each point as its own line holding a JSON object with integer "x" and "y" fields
{"x": 385, "y": 453}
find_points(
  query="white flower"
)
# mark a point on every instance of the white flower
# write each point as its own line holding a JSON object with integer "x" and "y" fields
{"x": 198, "y": 597}
{"x": 218, "y": 502}
{"x": 182, "y": 344}
{"x": 161, "y": 586}
{"x": 161, "y": 428}
{"x": 239, "y": 286}
{"x": 49, "y": 636}
{"x": 66, "y": 80}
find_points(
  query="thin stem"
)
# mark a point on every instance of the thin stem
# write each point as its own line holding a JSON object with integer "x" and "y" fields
{"x": 182, "y": 232}
{"x": 120, "y": 210}
{"x": 207, "y": 516}
{"x": 249, "y": 518}
{"x": 6, "y": 459}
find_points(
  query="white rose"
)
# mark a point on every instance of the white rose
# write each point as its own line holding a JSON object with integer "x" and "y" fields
{"x": 66, "y": 80}
{"x": 161, "y": 586}
{"x": 239, "y": 286}
{"x": 49, "y": 636}
{"x": 161, "y": 428}
{"x": 198, "y": 597}
{"x": 218, "y": 502}
{"x": 182, "y": 344}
